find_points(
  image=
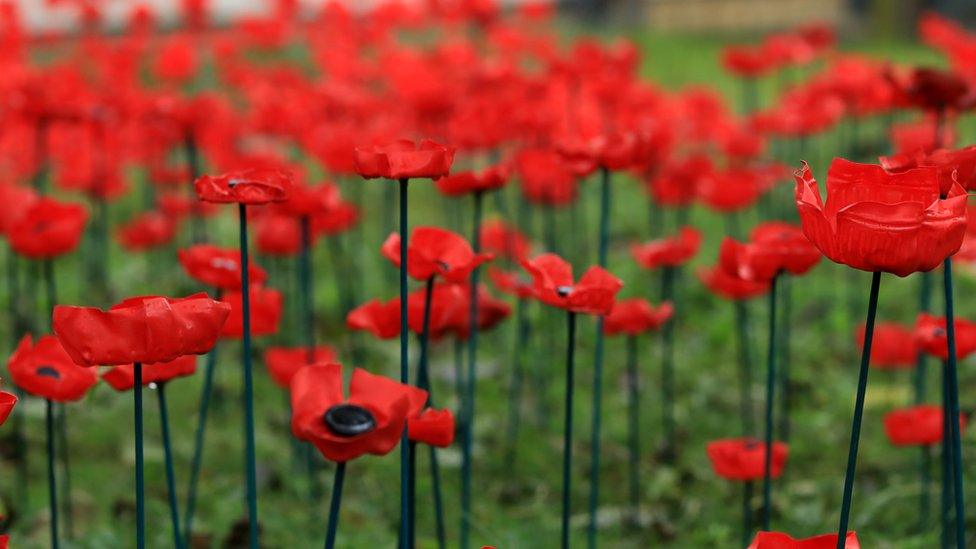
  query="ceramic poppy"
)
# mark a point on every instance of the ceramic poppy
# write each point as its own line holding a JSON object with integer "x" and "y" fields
{"x": 730, "y": 286}
{"x": 404, "y": 159}
{"x": 45, "y": 370}
{"x": 434, "y": 251}
{"x": 876, "y": 221}
{"x": 636, "y": 316}
{"x": 283, "y": 362}
{"x": 775, "y": 247}
{"x": 779, "y": 540}
{"x": 930, "y": 336}
{"x": 253, "y": 186}
{"x": 147, "y": 231}
{"x": 122, "y": 377}
{"x": 469, "y": 182}
{"x": 893, "y": 346}
{"x": 504, "y": 241}
{"x": 672, "y": 251}
{"x": 382, "y": 319}
{"x": 545, "y": 178}
{"x": 552, "y": 281}
{"x": 7, "y": 403}
{"x": 216, "y": 267}
{"x": 266, "y": 305}
{"x": 369, "y": 421}
{"x": 310, "y": 200}
{"x": 47, "y": 229}
{"x": 678, "y": 181}
{"x": 744, "y": 459}
{"x": 515, "y": 283}
{"x": 339, "y": 219}
{"x": 956, "y": 165}
{"x": 933, "y": 89}
{"x": 491, "y": 311}
{"x": 732, "y": 189}
{"x": 432, "y": 427}
{"x": 279, "y": 235}
{"x": 15, "y": 200}
{"x": 146, "y": 329}
{"x": 919, "y": 425}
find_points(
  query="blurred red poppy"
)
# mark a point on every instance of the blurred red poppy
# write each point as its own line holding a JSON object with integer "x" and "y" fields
{"x": 253, "y": 186}
{"x": 732, "y": 189}
{"x": 893, "y": 346}
{"x": 511, "y": 282}
{"x": 747, "y": 61}
{"x": 435, "y": 251}
{"x": 933, "y": 89}
{"x": 310, "y": 200}
{"x": 433, "y": 427}
{"x": 279, "y": 235}
{"x": 216, "y": 267}
{"x": 45, "y": 370}
{"x": 955, "y": 166}
{"x": 552, "y": 281}
{"x": 876, "y": 221}
{"x": 730, "y": 286}
{"x": 930, "y": 336}
{"x": 7, "y": 403}
{"x": 336, "y": 220}
{"x": 146, "y": 231}
{"x": 47, "y": 229}
{"x": 370, "y": 421}
{"x": 503, "y": 240}
{"x": 544, "y": 177}
{"x": 462, "y": 183}
{"x": 919, "y": 425}
{"x": 283, "y": 362}
{"x": 775, "y": 247}
{"x": 146, "y": 329}
{"x": 404, "y": 159}
{"x": 491, "y": 310}
{"x": 636, "y": 316}
{"x": 382, "y": 319}
{"x": 677, "y": 183}
{"x": 15, "y": 201}
{"x": 778, "y": 540}
{"x": 744, "y": 459}
{"x": 266, "y": 305}
{"x": 448, "y": 310}
{"x": 122, "y": 377}
{"x": 672, "y": 251}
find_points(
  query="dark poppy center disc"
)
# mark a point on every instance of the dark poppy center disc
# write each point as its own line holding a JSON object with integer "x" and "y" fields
{"x": 349, "y": 420}
{"x": 48, "y": 371}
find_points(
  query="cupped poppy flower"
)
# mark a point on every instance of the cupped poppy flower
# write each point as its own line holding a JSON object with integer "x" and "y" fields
{"x": 511, "y": 282}
{"x": 45, "y": 370}
{"x": 876, "y": 221}
{"x": 279, "y": 235}
{"x": 122, "y": 377}
{"x": 7, "y": 403}
{"x": 432, "y": 427}
{"x": 284, "y": 362}
{"x": 382, "y": 319}
{"x": 744, "y": 459}
{"x": 893, "y": 346}
{"x": 469, "y": 182}
{"x": 956, "y": 165}
{"x": 931, "y": 336}
{"x": 672, "y": 251}
{"x": 779, "y": 540}
{"x": 252, "y": 186}
{"x": 47, "y": 229}
{"x": 266, "y": 305}
{"x": 434, "y": 251}
{"x": 310, "y": 200}
{"x": 369, "y": 421}
{"x": 146, "y": 329}
{"x": 775, "y": 247}
{"x": 552, "y": 284}
{"x": 146, "y": 231}
{"x": 505, "y": 241}
{"x": 636, "y": 316}
{"x": 919, "y": 425}
{"x": 731, "y": 286}
{"x": 404, "y": 159}
{"x": 217, "y": 267}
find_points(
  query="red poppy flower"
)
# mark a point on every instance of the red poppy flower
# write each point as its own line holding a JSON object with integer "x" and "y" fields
{"x": 876, "y": 221}
{"x": 677, "y": 183}
{"x": 178, "y": 206}
{"x": 460, "y": 184}
{"x": 730, "y": 286}
{"x": 370, "y": 421}
{"x": 919, "y": 425}
{"x": 616, "y": 151}
{"x": 279, "y": 235}
{"x": 512, "y": 283}
{"x": 45, "y": 370}
{"x": 434, "y": 251}
{"x": 15, "y": 200}
{"x": 668, "y": 252}
{"x": 122, "y": 377}
{"x": 635, "y": 316}
{"x": 283, "y": 362}
{"x": 747, "y": 61}
{"x": 449, "y": 308}
{"x": 7, "y": 403}
{"x": 954, "y": 166}
{"x": 779, "y": 540}
{"x": 775, "y": 247}
{"x": 337, "y": 220}
{"x": 310, "y": 200}
{"x": 503, "y": 240}
{"x": 253, "y": 186}
{"x": 146, "y": 329}
{"x": 404, "y": 159}
{"x": 382, "y": 319}
{"x": 545, "y": 178}
{"x": 433, "y": 427}
{"x": 732, "y": 189}
{"x": 930, "y": 336}
{"x": 745, "y": 458}
{"x": 146, "y": 231}
{"x": 218, "y": 267}
{"x": 893, "y": 346}
{"x": 933, "y": 89}
{"x": 552, "y": 281}
{"x": 491, "y": 311}
{"x": 265, "y": 312}
{"x": 47, "y": 229}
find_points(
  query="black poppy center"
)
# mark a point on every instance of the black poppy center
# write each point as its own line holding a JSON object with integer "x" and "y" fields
{"x": 564, "y": 291}
{"x": 48, "y": 371}
{"x": 939, "y": 332}
{"x": 443, "y": 265}
{"x": 349, "y": 420}
{"x": 234, "y": 182}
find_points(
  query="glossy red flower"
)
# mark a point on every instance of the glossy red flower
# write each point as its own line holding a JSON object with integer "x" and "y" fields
{"x": 279, "y": 235}
{"x": 404, "y": 159}
{"x": 146, "y": 329}
{"x": 266, "y": 305}
{"x": 552, "y": 281}
{"x": 730, "y": 286}
{"x": 7, "y": 403}
{"x": 370, "y": 421}
{"x": 775, "y": 247}
{"x": 216, "y": 267}
{"x": 893, "y": 346}
{"x": 930, "y": 336}
{"x": 434, "y": 251}
{"x": 958, "y": 165}
{"x": 744, "y": 459}
{"x": 919, "y": 425}
{"x": 45, "y": 370}
{"x": 253, "y": 186}
{"x": 876, "y": 221}
{"x": 122, "y": 377}
{"x": 636, "y": 316}
{"x": 284, "y": 362}
{"x": 469, "y": 182}
{"x": 146, "y": 231}
{"x": 671, "y": 251}
{"x": 779, "y": 540}
{"x": 433, "y": 427}
{"x": 47, "y": 229}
